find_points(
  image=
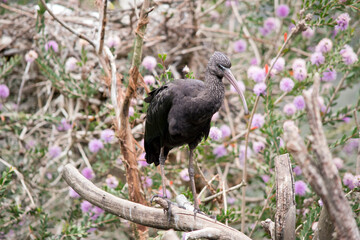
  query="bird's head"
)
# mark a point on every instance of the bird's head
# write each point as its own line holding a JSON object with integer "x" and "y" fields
{"x": 219, "y": 65}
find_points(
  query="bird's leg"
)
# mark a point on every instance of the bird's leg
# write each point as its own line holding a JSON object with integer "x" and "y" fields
{"x": 162, "y": 163}
{"x": 192, "y": 181}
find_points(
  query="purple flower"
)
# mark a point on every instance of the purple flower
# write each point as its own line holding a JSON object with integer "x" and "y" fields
{"x": 215, "y": 117}
{"x": 107, "y": 135}
{"x": 329, "y": 75}
{"x": 95, "y": 145}
{"x": 291, "y": 26}
{"x": 297, "y": 170}
{"x": 70, "y": 64}
{"x": 320, "y": 203}
{"x": 184, "y": 175}
{"x": 357, "y": 181}
{"x": 321, "y": 103}
{"x": 231, "y": 200}
{"x": 225, "y": 131}
{"x": 242, "y": 154}
{"x": 348, "y": 55}
{"x": 240, "y": 84}
{"x": 54, "y": 151}
{"x": 258, "y": 120}
{"x": 253, "y": 61}
{"x": 31, "y": 56}
{"x": 131, "y": 111}
{"x": 342, "y": 21}
{"x": 148, "y": 182}
{"x": 265, "y": 178}
{"x": 289, "y": 109}
{"x": 73, "y": 194}
{"x": 260, "y": 88}
{"x": 299, "y": 102}
{"x": 282, "y": 11}
{"x": 219, "y": 151}
{"x": 53, "y": 45}
{"x": 256, "y": 73}
{"x": 96, "y": 212}
{"x": 298, "y": 63}
{"x": 317, "y": 58}
{"x": 286, "y": 84}
{"x": 149, "y": 63}
{"x": 324, "y": 46}
{"x": 270, "y": 24}
{"x": 215, "y": 133}
{"x": 281, "y": 142}
{"x": 258, "y": 146}
{"x": 264, "y": 31}
{"x": 64, "y": 125}
{"x": 228, "y": 3}
{"x": 85, "y": 206}
{"x": 4, "y": 91}
{"x": 88, "y": 173}
{"x": 300, "y": 188}
{"x": 167, "y": 192}
{"x": 149, "y": 80}
{"x": 349, "y": 180}
{"x": 308, "y": 33}
{"x": 279, "y": 65}
{"x": 141, "y": 161}
{"x": 339, "y": 163}
{"x": 300, "y": 74}
{"x": 118, "y": 161}
{"x": 351, "y": 145}
{"x": 111, "y": 181}
{"x": 113, "y": 42}
{"x": 240, "y": 46}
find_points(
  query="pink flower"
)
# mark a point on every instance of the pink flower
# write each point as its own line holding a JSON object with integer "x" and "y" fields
{"x": 298, "y": 63}
{"x": 215, "y": 133}
{"x": 64, "y": 125}
{"x": 329, "y": 75}
{"x": 111, "y": 181}
{"x": 349, "y": 180}
{"x": 300, "y": 188}
{"x": 53, "y": 45}
{"x": 107, "y": 135}
{"x": 85, "y": 206}
{"x": 253, "y": 61}
{"x": 308, "y": 33}
{"x": 184, "y": 175}
{"x": 271, "y": 24}
{"x": 149, "y": 80}
{"x": 131, "y": 111}
{"x": 342, "y": 21}
{"x": 300, "y": 74}
{"x": 96, "y": 211}
{"x": 219, "y": 151}
{"x": 256, "y": 73}
{"x": 324, "y": 46}
{"x": 240, "y": 84}
{"x": 282, "y": 11}
{"x": 113, "y": 42}
{"x": 167, "y": 192}
{"x": 258, "y": 146}
{"x": 31, "y": 56}
{"x": 258, "y": 120}
{"x": 279, "y": 65}
{"x": 286, "y": 84}
{"x": 4, "y": 91}
{"x": 70, "y": 64}
{"x": 260, "y": 88}
{"x": 289, "y": 109}
{"x": 297, "y": 171}
{"x": 149, "y": 63}
{"x": 317, "y": 58}
{"x": 265, "y": 178}
{"x": 54, "y": 151}
{"x": 339, "y": 163}
{"x": 225, "y": 131}
{"x": 88, "y": 173}
{"x": 148, "y": 182}
{"x": 299, "y": 102}
{"x": 348, "y": 55}
{"x": 95, "y": 145}
{"x": 73, "y": 194}
{"x": 240, "y": 46}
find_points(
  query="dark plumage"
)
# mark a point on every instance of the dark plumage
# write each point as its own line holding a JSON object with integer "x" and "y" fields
{"x": 180, "y": 112}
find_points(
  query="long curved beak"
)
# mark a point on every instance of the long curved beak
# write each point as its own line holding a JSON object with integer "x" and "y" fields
{"x": 229, "y": 76}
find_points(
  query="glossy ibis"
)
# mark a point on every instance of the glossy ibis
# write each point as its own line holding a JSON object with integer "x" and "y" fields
{"x": 180, "y": 112}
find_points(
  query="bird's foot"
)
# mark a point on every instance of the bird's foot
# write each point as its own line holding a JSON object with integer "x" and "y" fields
{"x": 167, "y": 208}
{"x": 196, "y": 211}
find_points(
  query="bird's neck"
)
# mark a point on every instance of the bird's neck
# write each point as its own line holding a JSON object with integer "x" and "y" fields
{"x": 215, "y": 90}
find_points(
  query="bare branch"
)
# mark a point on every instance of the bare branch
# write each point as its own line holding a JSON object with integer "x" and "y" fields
{"x": 181, "y": 220}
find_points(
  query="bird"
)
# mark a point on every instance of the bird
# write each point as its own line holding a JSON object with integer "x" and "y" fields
{"x": 180, "y": 112}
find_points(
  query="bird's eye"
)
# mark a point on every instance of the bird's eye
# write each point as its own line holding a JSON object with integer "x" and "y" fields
{"x": 221, "y": 66}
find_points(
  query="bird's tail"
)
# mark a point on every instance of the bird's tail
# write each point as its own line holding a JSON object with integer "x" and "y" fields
{"x": 152, "y": 150}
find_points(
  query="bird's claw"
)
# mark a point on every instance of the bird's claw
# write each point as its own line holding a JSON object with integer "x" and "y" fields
{"x": 168, "y": 209}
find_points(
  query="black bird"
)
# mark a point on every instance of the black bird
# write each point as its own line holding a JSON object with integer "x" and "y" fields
{"x": 180, "y": 113}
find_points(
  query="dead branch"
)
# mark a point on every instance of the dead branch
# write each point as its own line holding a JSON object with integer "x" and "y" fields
{"x": 285, "y": 217}
{"x": 181, "y": 220}
{"x": 322, "y": 175}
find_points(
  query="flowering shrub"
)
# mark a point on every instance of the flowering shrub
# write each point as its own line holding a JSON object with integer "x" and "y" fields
{"x": 56, "y": 108}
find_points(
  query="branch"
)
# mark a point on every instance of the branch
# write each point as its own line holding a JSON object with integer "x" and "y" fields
{"x": 285, "y": 217}
{"x": 102, "y": 25}
{"x": 181, "y": 220}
